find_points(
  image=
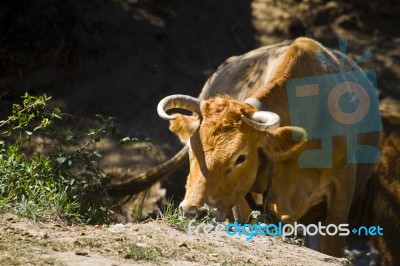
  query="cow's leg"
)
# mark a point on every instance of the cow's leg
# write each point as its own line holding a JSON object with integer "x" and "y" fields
{"x": 313, "y": 242}
{"x": 338, "y": 209}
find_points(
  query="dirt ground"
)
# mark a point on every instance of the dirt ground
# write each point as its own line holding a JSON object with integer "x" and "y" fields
{"x": 151, "y": 243}
{"x": 120, "y": 57}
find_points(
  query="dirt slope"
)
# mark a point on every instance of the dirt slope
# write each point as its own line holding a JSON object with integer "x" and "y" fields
{"x": 152, "y": 243}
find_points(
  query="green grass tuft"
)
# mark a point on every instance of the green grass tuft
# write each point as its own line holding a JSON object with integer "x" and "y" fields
{"x": 140, "y": 253}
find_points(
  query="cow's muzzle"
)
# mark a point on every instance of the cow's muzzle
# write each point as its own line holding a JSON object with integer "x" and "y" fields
{"x": 191, "y": 211}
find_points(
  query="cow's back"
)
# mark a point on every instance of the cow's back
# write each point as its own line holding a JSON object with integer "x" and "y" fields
{"x": 240, "y": 76}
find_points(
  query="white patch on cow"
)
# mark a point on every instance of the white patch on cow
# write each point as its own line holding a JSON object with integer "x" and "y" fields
{"x": 273, "y": 64}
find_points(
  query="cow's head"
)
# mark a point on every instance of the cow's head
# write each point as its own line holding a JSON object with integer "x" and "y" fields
{"x": 227, "y": 139}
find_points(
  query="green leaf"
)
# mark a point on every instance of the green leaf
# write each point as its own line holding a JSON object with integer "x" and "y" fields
{"x": 97, "y": 154}
{"x": 61, "y": 160}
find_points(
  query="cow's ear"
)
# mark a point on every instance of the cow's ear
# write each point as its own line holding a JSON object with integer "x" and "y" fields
{"x": 184, "y": 126}
{"x": 283, "y": 141}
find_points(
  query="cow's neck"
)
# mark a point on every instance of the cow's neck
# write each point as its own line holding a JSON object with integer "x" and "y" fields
{"x": 262, "y": 187}
{"x": 275, "y": 99}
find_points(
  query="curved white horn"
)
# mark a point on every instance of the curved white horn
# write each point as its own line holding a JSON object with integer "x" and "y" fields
{"x": 177, "y": 101}
{"x": 263, "y": 121}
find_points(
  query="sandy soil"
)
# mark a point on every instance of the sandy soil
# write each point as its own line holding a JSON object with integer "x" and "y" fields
{"x": 152, "y": 243}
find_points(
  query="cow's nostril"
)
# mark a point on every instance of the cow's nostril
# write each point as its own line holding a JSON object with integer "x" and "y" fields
{"x": 189, "y": 215}
{"x": 201, "y": 213}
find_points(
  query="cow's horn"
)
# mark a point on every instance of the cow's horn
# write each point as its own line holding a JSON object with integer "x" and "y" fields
{"x": 263, "y": 121}
{"x": 177, "y": 101}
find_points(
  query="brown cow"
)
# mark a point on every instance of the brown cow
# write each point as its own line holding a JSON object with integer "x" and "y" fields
{"x": 386, "y": 204}
{"x": 379, "y": 202}
{"x": 230, "y": 136}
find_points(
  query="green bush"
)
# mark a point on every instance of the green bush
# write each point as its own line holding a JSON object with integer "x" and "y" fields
{"x": 63, "y": 181}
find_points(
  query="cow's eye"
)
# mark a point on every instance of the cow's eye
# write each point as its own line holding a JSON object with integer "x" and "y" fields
{"x": 241, "y": 159}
